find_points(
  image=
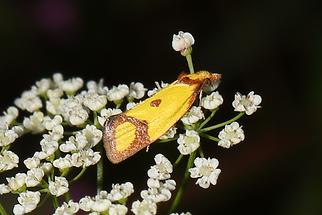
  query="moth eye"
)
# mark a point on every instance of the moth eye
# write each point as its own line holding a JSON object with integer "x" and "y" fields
{"x": 155, "y": 103}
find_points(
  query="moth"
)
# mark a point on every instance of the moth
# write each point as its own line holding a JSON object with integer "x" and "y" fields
{"x": 127, "y": 133}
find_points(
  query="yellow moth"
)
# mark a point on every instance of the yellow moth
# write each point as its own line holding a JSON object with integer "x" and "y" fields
{"x": 127, "y": 133}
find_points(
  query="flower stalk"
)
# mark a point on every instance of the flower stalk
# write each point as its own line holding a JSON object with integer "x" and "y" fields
{"x": 2, "y": 210}
{"x": 180, "y": 191}
{"x": 190, "y": 64}
{"x": 223, "y": 123}
{"x": 100, "y": 170}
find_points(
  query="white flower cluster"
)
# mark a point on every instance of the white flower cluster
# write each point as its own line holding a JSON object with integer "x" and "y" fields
{"x": 72, "y": 129}
{"x": 188, "y": 142}
{"x": 231, "y": 135}
{"x": 66, "y": 106}
{"x": 160, "y": 187}
{"x": 206, "y": 171}
{"x": 79, "y": 149}
{"x": 8, "y": 134}
{"x": 182, "y": 41}
{"x": 247, "y": 104}
{"x": 103, "y": 203}
{"x": 74, "y": 108}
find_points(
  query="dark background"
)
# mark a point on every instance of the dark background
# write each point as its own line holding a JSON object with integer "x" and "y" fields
{"x": 272, "y": 47}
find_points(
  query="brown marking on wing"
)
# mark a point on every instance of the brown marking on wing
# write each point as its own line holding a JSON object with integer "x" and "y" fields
{"x": 140, "y": 141}
{"x": 155, "y": 103}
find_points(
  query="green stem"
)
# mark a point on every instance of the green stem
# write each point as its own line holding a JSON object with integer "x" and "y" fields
{"x": 2, "y": 210}
{"x": 179, "y": 194}
{"x": 208, "y": 119}
{"x": 100, "y": 170}
{"x": 223, "y": 123}
{"x": 78, "y": 176}
{"x": 44, "y": 190}
{"x": 178, "y": 160}
{"x": 55, "y": 202}
{"x": 95, "y": 119}
{"x": 201, "y": 152}
{"x": 209, "y": 137}
{"x": 70, "y": 133}
{"x": 67, "y": 197}
{"x": 190, "y": 64}
{"x": 43, "y": 200}
{"x": 167, "y": 140}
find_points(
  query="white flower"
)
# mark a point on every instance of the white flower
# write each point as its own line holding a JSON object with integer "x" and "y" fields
{"x": 42, "y": 86}
{"x": 46, "y": 167}
{"x": 162, "y": 169}
{"x": 29, "y": 101}
{"x": 130, "y": 105}
{"x": 69, "y": 208}
{"x": 57, "y": 78}
{"x": 55, "y": 93}
{"x": 188, "y": 142}
{"x": 144, "y": 207}
{"x": 7, "y": 136}
{"x": 73, "y": 144}
{"x": 92, "y": 135}
{"x": 154, "y": 195}
{"x": 194, "y": 115}
{"x": 73, "y": 111}
{"x": 70, "y": 86}
{"x": 63, "y": 162}
{"x": 32, "y": 162}
{"x": 57, "y": 133}
{"x": 158, "y": 88}
{"x": 50, "y": 123}
{"x": 231, "y": 135}
{"x": 34, "y": 122}
{"x": 53, "y": 105}
{"x": 8, "y": 117}
{"x": 137, "y": 90}
{"x": 86, "y": 203}
{"x": 99, "y": 88}
{"x": 54, "y": 102}
{"x": 94, "y": 101}
{"x": 153, "y": 183}
{"x": 18, "y": 129}
{"x": 76, "y": 143}
{"x": 158, "y": 191}
{"x": 16, "y": 182}
{"x": 85, "y": 158}
{"x": 101, "y": 205}
{"x": 27, "y": 202}
{"x": 120, "y": 191}
{"x": 59, "y": 186}
{"x": 212, "y": 101}
{"x": 206, "y": 171}
{"x": 4, "y": 189}
{"x": 182, "y": 41}
{"x": 169, "y": 134}
{"x": 69, "y": 146}
{"x": 117, "y": 209}
{"x": 118, "y": 93}
{"x": 40, "y": 155}
{"x": 34, "y": 176}
{"x": 248, "y": 103}
{"x": 8, "y": 160}
{"x": 48, "y": 145}
{"x": 106, "y": 113}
